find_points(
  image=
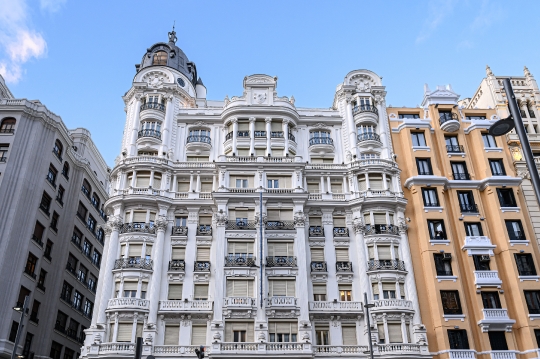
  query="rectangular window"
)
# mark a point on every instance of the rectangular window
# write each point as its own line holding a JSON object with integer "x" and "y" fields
{"x": 497, "y": 168}
{"x": 491, "y": 300}
{"x": 319, "y": 292}
{"x": 436, "y": 229}
{"x": 450, "y": 302}
{"x": 241, "y": 183}
{"x": 67, "y": 289}
{"x": 430, "y": 197}
{"x": 82, "y": 273}
{"x": 395, "y": 333}
{"x": 537, "y": 335}
{"x": 424, "y": 166}
{"x": 515, "y": 230}
{"x": 239, "y": 288}
{"x": 489, "y": 141}
{"x": 481, "y": 262}
{"x": 345, "y": 292}
{"x": 198, "y": 335}
{"x": 96, "y": 258}
{"x": 41, "y": 279}
{"x": 458, "y": 339}
{"x": 31, "y": 263}
{"x": 532, "y": 297}
{"x": 45, "y": 203}
{"x": 91, "y": 223}
{"x": 525, "y": 264}
{"x": 459, "y": 171}
{"x": 200, "y": 292}
{"x": 273, "y": 183}
{"x": 321, "y": 335}
{"x": 51, "y": 175}
{"x": 506, "y": 197}
{"x": 473, "y": 229}
{"x": 466, "y": 202}
{"x": 409, "y": 115}
{"x": 81, "y": 211}
{"x": 497, "y": 340}
{"x": 282, "y": 288}
{"x": 282, "y": 332}
{"x": 77, "y": 300}
{"x": 452, "y": 144}
{"x": 3, "y": 151}
{"x": 56, "y": 349}
{"x": 418, "y": 139}
{"x": 48, "y": 249}
{"x": 172, "y": 334}
{"x": 389, "y": 290}
{"x": 54, "y": 221}
{"x": 443, "y": 264}
{"x": 60, "y": 195}
{"x": 124, "y": 332}
{"x": 13, "y": 331}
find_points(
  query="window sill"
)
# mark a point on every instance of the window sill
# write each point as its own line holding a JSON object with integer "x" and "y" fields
{"x": 529, "y": 277}
{"x": 493, "y": 149}
{"x": 534, "y": 316}
{"x": 522, "y": 242}
{"x": 439, "y": 241}
{"x": 440, "y": 278}
{"x": 461, "y": 154}
{"x": 421, "y": 148}
{"x": 461, "y": 317}
{"x": 433, "y": 209}
{"x": 510, "y": 209}
{"x": 7, "y": 133}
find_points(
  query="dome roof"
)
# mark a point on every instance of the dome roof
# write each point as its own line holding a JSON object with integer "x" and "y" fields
{"x": 168, "y": 54}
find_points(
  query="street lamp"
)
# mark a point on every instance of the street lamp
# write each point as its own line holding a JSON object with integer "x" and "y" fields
{"x": 23, "y": 310}
{"x": 506, "y": 125}
{"x": 367, "y": 306}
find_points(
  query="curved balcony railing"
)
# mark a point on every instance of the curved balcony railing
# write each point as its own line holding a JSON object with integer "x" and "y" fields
{"x": 280, "y": 261}
{"x": 228, "y": 136}
{"x": 203, "y": 139}
{"x": 177, "y": 265}
{"x": 454, "y": 148}
{"x": 138, "y": 227}
{"x": 448, "y": 116}
{"x": 369, "y": 137}
{"x": 150, "y": 133}
{"x": 292, "y": 138}
{"x": 320, "y": 141}
{"x": 461, "y": 176}
{"x": 341, "y": 232}
{"x": 386, "y": 264}
{"x": 317, "y": 266}
{"x": 204, "y": 230}
{"x": 381, "y": 229}
{"x": 202, "y": 266}
{"x": 365, "y": 108}
{"x": 242, "y": 225}
{"x": 316, "y": 231}
{"x": 133, "y": 262}
{"x": 153, "y": 106}
{"x": 344, "y": 267}
{"x": 240, "y": 261}
{"x": 179, "y": 231}
{"x": 281, "y": 225}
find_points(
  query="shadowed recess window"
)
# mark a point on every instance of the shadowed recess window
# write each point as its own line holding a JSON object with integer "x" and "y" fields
{"x": 160, "y": 58}
{"x": 450, "y": 302}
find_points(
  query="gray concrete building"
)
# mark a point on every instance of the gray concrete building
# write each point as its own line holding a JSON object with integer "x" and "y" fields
{"x": 53, "y": 183}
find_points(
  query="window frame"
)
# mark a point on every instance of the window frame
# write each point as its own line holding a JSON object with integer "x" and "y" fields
{"x": 428, "y": 164}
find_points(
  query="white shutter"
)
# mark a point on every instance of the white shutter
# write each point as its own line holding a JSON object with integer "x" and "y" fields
{"x": 157, "y": 183}
{"x": 172, "y": 334}
{"x": 201, "y": 291}
{"x": 135, "y": 250}
{"x": 379, "y": 218}
{"x": 342, "y": 254}
{"x": 206, "y": 220}
{"x": 139, "y": 217}
{"x": 389, "y": 286}
{"x": 280, "y": 249}
{"x": 124, "y": 332}
{"x": 260, "y": 126}
{"x": 183, "y": 187}
{"x": 394, "y": 333}
{"x": 384, "y": 252}
{"x": 273, "y": 214}
{"x": 243, "y": 126}
{"x": 206, "y": 186}
{"x": 278, "y": 288}
{"x": 376, "y": 182}
{"x": 339, "y": 222}
{"x": 139, "y": 330}
{"x": 175, "y": 291}
{"x": 179, "y": 253}
{"x": 380, "y": 329}
{"x": 315, "y": 221}
{"x": 375, "y": 287}
{"x": 286, "y": 214}
{"x": 240, "y": 248}
{"x": 319, "y": 289}
{"x": 313, "y": 187}
{"x": 371, "y": 252}
{"x": 198, "y": 335}
{"x": 317, "y": 254}
{"x": 276, "y": 126}
{"x": 249, "y": 333}
{"x": 362, "y": 183}
{"x": 243, "y": 152}
{"x": 130, "y": 285}
{"x": 349, "y": 335}
{"x": 336, "y": 187}
{"x": 143, "y": 181}
{"x": 260, "y": 152}
{"x": 291, "y": 288}
{"x": 203, "y": 254}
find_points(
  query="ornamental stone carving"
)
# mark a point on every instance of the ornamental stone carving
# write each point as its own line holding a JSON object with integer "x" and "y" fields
{"x": 113, "y": 224}
{"x": 402, "y": 225}
{"x": 161, "y": 223}
{"x": 258, "y": 218}
{"x": 299, "y": 219}
{"x": 220, "y": 218}
{"x": 358, "y": 225}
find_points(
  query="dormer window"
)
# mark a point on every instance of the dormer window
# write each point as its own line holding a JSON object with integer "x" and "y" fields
{"x": 409, "y": 115}
{"x": 160, "y": 58}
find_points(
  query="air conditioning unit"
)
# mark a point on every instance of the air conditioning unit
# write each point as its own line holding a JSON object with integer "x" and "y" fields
{"x": 484, "y": 258}
{"x": 447, "y": 256}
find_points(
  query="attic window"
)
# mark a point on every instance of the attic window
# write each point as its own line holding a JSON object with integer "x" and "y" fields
{"x": 476, "y": 117}
{"x": 160, "y": 58}
{"x": 409, "y": 115}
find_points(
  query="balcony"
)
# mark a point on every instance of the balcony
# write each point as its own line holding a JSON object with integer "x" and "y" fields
{"x": 239, "y": 302}
{"x": 365, "y": 114}
{"x": 398, "y": 349}
{"x": 386, "y": 264}
{"x": 449, "y": 122}
{"x": 198, "y": 143}
{"x": 240, "y": 261}
{"x": 389, "y": 305}
{"x": 487, "y": 278}
{"x": 321, "y": 145}
{"x": 496, "y": 319}
{"x": 381, "y": 229}
{"x": 150, "y": 133}
{"x": 292, "y": 138}
{"x": 185, "y": 305}
{"x": 344, "y": 267}
{"x": 468, "y": 208}
{"x": 201, "y": 266}
{"x": 128, "y": 304}
{"x": 138, "y": 227}
{"x": 124, "y": 349}
{"x": 281, "y": 301}
{"x": 241, "y": 225}
{"x": 177, "y": 265}
{"x": 464, "y": 176}
{"x": 316, "y": 231}
{"x": 336, "y": 306}
{"x": 475, "y": 243}
{"x": 179, "y": 231}
{"x": 461, "y": 354}
{"x": 133, "y": 262}
{"x": 368, "y": 136}
{"x": 259, "y": 134}
{"x": 280, "y": 225}
{"x": 318, "y": 266}
{"x": 204, "y": 230}
{"x": 454, "y": 149}
{"x": 37, "y": 240}
{"x": 280, "y": 261}
{"x": 153, "y": 106}
{"x": 276, "y": 134}
{"x": 338, "y": 350}
{"x": 503, "y": 354}
{"x": 341, "y": 232}
{"x": 186, "y": 350}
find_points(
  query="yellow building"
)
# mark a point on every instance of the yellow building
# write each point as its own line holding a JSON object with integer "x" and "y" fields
{"x": 472, "y": 242}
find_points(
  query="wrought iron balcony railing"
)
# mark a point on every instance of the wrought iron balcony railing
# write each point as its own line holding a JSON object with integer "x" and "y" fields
{"x": 341, "y": 232}
{"x": 177, "y": 265}
{"x": 344, "y": 267}
{"x": 281, "y": 225}
{"x": 291, "y": 137}
{"x": 276, "y": 134}
{"x": 153, "y": 106}
{"x": 204, "y": 230}
{"x": 369, "y": 137}
{"x": 461, "y": 176}
{"x": 381, "y": 229}
{"x": 179, "y": 231}
{"x": 386, "y": 264}
{"x": 365, "y": 108}
{"x": 240, "y": 261}
{"x": 448, "y": 116}
{"x": 133, "y": 262}
{"x": 318, "y": 266}
{"x": 316, "y": 231}
{"x": 202, "y": 266}
{"x": 241, "y": 225}
{"x": 281, "y": 261}
{"x": 260, "y": 134}
{"x": 454, "y": 148}
{"x": 203, "y": 139}
{"x": 150, "y": 133}
{"x": 320, "y": 141}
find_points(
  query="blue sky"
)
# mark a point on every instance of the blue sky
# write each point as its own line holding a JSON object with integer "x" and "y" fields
{"x": 78, "y": 57}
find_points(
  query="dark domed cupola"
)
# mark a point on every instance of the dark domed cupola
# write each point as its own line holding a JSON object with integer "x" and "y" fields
{"x": 168, "y": 54}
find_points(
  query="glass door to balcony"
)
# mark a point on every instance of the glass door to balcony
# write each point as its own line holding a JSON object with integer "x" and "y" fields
{"x": 497, "y": 340}
{"x": 459, "y": 170}
{"x": 491, "y": 300}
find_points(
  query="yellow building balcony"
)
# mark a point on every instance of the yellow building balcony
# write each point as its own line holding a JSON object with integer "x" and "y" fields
{"x": 496, "y": 319}
{"x": 503, "y": 354}
{"x": 487, "y": 278}
{"x": 461, "y": 354}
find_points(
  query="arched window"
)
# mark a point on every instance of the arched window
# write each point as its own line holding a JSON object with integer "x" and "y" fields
{"x": 65, "y": 170}
{"x": 8, "y": 125}
{"x": 58, "y": 148}
{"x": 160, "y": 58}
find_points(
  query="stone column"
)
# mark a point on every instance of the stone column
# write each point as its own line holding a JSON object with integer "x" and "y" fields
{"x": 268, "y": 121}
{"x": 151, "y": 183}
{"x": 358, "y": 227}
{"x": 286, "y": 136}
{"x": 198, "y": 186}
{"x": 234, "y": 135}
{"x": 218, "y": 263}
{"x": 328, "y": 184}
{"x": 410, "y": 285}
{"x": 330, "y": 254}
{"x": 252, "y": 136}
{"x": 134, "y": 179}
{"x": 106, "y": 278}
{"x": 351, "y": 127}
{"x": 157, "y": 257}
{"x": 135, "y": 125}
{"x": 302, "y": 279}
{"x": 322, "y": 185}
{"x": 191, "y": 182}
{"x": 166, "y": 138}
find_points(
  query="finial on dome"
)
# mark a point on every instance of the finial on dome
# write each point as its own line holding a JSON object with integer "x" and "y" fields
{"x": 488, "y": 71}
{"x": 526, "y": 71}
{"x": 172, "y": 34}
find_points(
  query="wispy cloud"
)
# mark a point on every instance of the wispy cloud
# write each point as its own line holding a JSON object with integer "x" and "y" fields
{"x": 438, "y": 11}
{"x": 51, "y": 5}
{"x": 18, "y": 41}
{"x": 489, "y": 13}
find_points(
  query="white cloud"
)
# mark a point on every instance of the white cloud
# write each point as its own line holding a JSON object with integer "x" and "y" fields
{"x": 51, "y": 5}
{"x": 436, "y": 14}
{"x": 489, "y": 14}
{"x": 19, "y": 43}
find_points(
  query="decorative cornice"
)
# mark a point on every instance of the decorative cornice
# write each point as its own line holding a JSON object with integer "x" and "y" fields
{"x": 462, "y": 184}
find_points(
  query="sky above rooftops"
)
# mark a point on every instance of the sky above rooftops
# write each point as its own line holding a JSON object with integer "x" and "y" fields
{"x": 78, "y": 57}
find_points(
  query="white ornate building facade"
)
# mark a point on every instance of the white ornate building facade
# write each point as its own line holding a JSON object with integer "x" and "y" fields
{"x": 191, "y": 260}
